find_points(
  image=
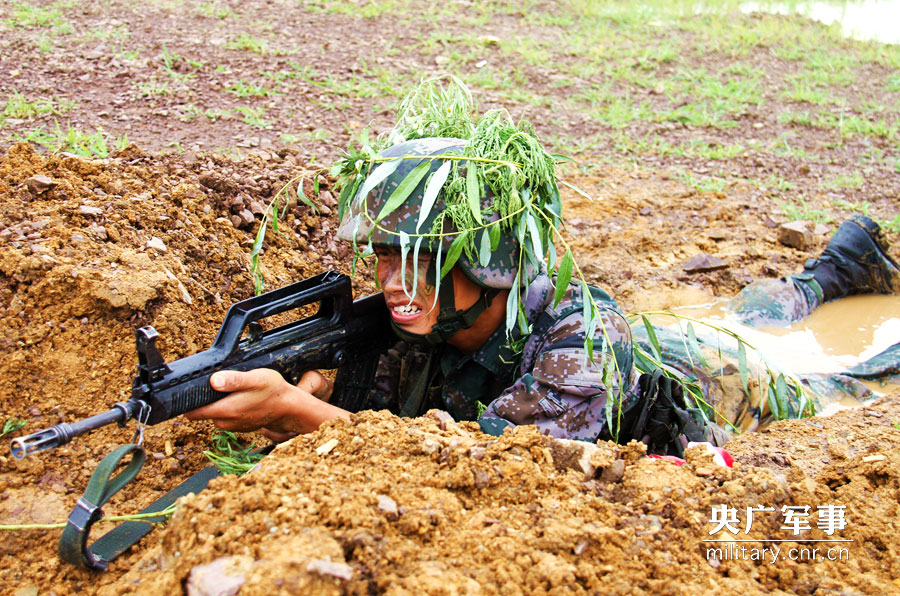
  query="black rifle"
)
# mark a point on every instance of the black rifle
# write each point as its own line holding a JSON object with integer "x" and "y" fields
{"x": 342, "y": 334}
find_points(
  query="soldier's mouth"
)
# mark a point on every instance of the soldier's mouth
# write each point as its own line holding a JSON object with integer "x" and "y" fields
{"x": 405, "y": 313}
{"x": 407, "y": 309}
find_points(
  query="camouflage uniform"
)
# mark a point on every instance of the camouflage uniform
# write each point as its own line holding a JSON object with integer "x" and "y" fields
{"x": 546, "y": 383}
{"x": 766, "y": 302}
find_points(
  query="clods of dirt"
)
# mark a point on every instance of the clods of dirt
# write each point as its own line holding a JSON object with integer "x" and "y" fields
{"x": 421, "y": 506}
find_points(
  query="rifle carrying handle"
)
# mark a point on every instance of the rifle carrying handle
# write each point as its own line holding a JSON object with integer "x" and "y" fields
{"x": 331, "y": 289}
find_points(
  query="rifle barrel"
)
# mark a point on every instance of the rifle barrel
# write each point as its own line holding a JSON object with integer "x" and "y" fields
{"x": 63, "y": 433}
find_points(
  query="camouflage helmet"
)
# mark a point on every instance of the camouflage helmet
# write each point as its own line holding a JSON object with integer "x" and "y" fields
{"x": 357, "y": 221}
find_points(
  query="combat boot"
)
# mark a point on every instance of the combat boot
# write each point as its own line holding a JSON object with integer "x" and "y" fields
{"x": 855, "y": 261}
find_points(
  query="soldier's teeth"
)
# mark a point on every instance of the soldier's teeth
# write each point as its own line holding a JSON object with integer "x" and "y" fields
{"x": 407, "y": 309}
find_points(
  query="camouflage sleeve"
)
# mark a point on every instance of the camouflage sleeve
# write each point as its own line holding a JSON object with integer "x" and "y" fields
{"x": 563, "y": 393}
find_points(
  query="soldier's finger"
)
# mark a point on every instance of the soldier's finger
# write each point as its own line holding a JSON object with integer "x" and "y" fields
{"x": 312, "y": 381}
{"x": 232, "y": 380}
{"x": 220, "y": 410}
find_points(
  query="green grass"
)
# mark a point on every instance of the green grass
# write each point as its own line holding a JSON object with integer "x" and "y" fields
{"x": 74, "y": 140}
{"x": 248, "y": 43}
{"x": 18, "y": 106}
{"x": 854, "y": 181}
{"x": 892, "y": 225}
{"x": 893, "y": 82}
{"x": 26, "y": 15}
{"x": 776, "y": 182}
{"x": 253, "y": 117}
{"x": 702, "y": 183}
{"x": 803, "y": 91}
{"x": 250, "y": 89}
{"x": 800, "y": 211}
{"x": 215, "y": 9}
{"x": 231, "y": 456}
{"x": 377, "y": 82}
{"x": 152, "y": 88}
{"x": 784, "y": 146}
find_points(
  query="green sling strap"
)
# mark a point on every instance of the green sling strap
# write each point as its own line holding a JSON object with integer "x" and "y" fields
{"x": 73, "y": 543}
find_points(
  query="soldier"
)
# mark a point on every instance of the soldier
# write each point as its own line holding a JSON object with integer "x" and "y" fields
{"x": 456, "y": 354}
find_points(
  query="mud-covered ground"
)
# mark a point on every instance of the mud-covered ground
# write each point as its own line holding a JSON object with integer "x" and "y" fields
{"x": 160, "y": 233}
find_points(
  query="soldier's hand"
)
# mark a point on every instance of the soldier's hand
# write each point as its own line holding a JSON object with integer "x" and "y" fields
{"x": 262, "y": 400}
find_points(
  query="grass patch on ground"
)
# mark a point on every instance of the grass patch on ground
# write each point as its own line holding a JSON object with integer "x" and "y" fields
{"x": 74, "y": 140}
{"x": 18, "y": 106}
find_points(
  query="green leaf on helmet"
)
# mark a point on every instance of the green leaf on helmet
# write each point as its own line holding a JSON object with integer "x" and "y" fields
{"x": 378, "y": 175}
{"x": 535, "y": 235}
{"x": 454, "y": 252}
{"x": 494, "y": 233}
{"x": 563, "y": 276}
{"x": 473, "y": 192}
{"x": 432, "y": 189}
{"x": 404, "y": 250}
{"x": 404, "y": 189}
{"x": 348, "y": 191}
{"x": 415, "y": 284}
{"x": 484, "y": 252}
{"x": 437, "y": 282}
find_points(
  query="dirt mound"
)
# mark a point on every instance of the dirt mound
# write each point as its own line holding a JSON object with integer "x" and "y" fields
{"x": 386, "y": 505}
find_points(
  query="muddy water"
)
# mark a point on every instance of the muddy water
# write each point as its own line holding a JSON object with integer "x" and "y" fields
{"x": 836, "y": 336}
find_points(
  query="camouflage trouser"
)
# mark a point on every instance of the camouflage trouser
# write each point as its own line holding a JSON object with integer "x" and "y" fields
{"x": 714, "y": 363}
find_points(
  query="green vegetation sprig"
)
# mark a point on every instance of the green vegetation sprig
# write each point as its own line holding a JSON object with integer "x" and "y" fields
{"x": 11, "y": 426}
{"x": 500, "y": 156}
{"x": 229, "y": 455}
{"x": 155, "y": 517}
{"x": 275, "y": 211}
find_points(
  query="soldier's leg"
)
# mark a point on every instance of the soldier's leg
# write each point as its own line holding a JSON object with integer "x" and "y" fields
{"x": 856, "y": 261}
{"x": 714, "y": 368}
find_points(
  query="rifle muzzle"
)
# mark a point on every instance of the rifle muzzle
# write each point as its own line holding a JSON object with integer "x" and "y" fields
{"x": 63, "y": 433}
{"x": 41, "y": 440}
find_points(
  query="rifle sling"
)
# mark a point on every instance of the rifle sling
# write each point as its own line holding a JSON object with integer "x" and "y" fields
{"x": 73, "y": 543}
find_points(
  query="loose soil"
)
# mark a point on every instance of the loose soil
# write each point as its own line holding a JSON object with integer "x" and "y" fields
{"x": 91, "y": 249}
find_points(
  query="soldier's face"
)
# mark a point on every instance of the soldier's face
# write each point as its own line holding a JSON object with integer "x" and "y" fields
{"x": 417, "y": 312}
